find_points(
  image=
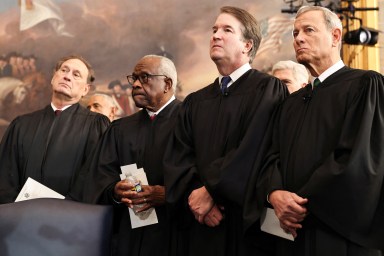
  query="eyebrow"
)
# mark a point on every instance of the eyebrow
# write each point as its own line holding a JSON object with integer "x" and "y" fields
{"x": 223, "y": 26}
{"x": 74, "y": 70}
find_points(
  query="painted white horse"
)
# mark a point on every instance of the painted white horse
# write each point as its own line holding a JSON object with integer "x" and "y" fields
{"x": 8, "y": 85}
{"x": 19, "y": 94}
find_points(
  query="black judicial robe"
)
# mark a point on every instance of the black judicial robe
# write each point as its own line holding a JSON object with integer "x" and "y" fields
{"x": 329, "y": 148}
{"x": 217, "y": 142}
{"x": 130, "y": 140}
{"x": 49, "y": 149}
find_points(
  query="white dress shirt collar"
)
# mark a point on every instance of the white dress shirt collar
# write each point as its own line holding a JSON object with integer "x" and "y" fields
{"x": 150, "y": 113}
{"x": 335, "y": 67}
{"x": 237, "y": 73}
{"x": 62, "y": 109}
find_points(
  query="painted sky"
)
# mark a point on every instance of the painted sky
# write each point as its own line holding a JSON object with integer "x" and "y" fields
{"x": 113, "y": 35}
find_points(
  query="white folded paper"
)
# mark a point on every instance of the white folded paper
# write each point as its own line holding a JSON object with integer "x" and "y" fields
{"x": 150, "y": 216}
{"x": 33, "y": 189}
{"x": 270, "y": 223}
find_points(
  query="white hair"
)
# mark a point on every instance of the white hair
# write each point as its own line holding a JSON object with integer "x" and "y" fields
{"x": 299, "y": 71}
{"x": 167, "y": 68}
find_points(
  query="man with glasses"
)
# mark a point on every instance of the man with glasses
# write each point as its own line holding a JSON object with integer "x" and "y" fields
{"x": 137, "y": 139}
{"x": 218, "y": 143}
{"x": 50, "y": 145}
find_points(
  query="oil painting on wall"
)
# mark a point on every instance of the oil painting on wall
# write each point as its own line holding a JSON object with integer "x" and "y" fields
{"x": 113, "y": 35}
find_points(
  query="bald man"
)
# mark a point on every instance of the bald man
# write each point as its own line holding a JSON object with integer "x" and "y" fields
{"x": 103, "y": 104}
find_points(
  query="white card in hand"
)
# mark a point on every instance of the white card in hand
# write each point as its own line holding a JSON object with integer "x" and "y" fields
{"x": 150, "y": 216}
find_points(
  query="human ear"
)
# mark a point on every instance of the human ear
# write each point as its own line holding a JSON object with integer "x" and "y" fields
{"x": 168, "y": 85}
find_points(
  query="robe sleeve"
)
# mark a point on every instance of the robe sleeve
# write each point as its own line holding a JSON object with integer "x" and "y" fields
{"x": 100, "y": 173}
{"x": 99, "y": 126}
{"x": 346, "y": 190}
{"x": 180, "y": 173}
{"x": 259, "y": 184}
{"x": 9, "y": 164}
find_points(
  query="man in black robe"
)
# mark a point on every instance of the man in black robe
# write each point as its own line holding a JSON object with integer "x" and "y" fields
{"x": 51, "y": 148}
{"x": 218, "y": 141}
{"x": 137, "y": 139}
{"x": 326, "y": 166}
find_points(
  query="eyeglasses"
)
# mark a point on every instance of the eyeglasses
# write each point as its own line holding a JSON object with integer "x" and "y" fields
{"x": 143, "y": 78}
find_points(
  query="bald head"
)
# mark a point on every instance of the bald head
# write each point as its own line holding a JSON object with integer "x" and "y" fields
{"x": 103, "y": 104}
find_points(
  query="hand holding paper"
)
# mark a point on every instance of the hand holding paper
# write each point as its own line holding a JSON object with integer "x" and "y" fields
{"x": 139, "y": 218}
{"x": 270, "y": 223}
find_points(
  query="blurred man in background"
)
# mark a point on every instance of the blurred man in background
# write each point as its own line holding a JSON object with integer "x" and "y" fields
{"x": 103, "y": 104}
{"x": 294, "y": 75}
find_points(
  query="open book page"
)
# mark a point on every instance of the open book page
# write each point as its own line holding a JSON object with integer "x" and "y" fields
{"x": 33, "y": 189}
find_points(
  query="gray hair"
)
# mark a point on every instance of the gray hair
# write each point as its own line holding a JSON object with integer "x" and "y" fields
{"x": 167, "y": 68}
{"x": 106, "y": 97}
{"x": 299, "y": 71}
{"x": 331, "y": 19}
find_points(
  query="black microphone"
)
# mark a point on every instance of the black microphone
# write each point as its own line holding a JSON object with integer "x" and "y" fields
{"x": 226, "y": 92}
{"x": 307, "y": 97}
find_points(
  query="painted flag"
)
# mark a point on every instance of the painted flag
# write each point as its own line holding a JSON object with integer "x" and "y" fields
{"x": 272, "y": 30}
{"x": 34, "y": 12}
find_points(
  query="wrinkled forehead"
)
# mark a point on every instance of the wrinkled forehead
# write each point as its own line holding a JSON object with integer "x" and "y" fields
{"x": 96, "y": 99}
{"x": 227, "y": 20}
{"x": 76, "y": 64}
{"x": 147, "y": 65}
{"x": 313, "y": 17}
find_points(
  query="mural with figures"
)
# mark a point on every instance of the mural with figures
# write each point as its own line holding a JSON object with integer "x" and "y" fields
{"x": 113, "y": 35}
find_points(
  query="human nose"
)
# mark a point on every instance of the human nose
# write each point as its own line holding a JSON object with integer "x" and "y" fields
{"x": 136, "y": 83}
{"x": 298, "y": 37}
{"x": 66, "y": 76}
{"x": 216, "y": 35}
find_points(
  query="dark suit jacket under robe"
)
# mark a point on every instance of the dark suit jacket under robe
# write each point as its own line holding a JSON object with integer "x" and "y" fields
{"x": 49, "y": 149}
{"x": 217, "y": 143}
{"x": 329, "y": 148}
{"x": 132, "y": 140}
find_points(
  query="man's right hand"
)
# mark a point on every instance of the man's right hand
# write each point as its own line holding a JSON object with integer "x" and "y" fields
{"x": 289, "y": 208}
{"x": 214, "y": 216}
{"x": 123, "y": 193}
{"x": 200, "y": 202}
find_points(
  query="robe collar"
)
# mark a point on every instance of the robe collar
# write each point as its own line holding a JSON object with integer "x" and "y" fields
{"x": 150, "y": 113}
